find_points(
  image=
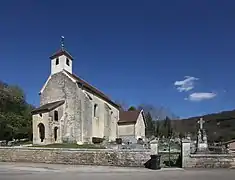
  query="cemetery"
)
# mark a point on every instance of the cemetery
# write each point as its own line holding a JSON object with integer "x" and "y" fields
{"x": 186, "y": 154}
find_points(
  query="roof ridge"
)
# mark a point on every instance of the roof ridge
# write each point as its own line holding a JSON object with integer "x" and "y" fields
{"x": 85, "y": 81}
{"x": 92, "y": 87}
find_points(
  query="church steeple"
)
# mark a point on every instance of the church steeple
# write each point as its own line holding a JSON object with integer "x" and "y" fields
{"x": 61, "y": 60}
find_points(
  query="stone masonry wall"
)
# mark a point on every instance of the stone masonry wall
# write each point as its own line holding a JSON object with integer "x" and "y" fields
{"x": 211, "y": 161}
{"x": 103, "y": 157}
{"x": 205, "y": 160}
{"x": 61, "y": 87}
{"x": 74, "y": 156}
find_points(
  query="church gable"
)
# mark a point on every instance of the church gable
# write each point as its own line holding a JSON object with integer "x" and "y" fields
{"x": 58, "y": 87}
{"x": 48, "y": 79}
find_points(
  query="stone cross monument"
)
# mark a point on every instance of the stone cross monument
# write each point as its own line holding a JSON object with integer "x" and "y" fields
{"x": 202, "y": 145}
{"x": 201, "y": 122}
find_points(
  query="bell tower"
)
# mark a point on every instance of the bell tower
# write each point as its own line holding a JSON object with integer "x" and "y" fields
{"x": 61, "y": 60}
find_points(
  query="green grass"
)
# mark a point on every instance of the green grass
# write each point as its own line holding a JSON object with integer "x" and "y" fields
{"x": 84, "y": 146}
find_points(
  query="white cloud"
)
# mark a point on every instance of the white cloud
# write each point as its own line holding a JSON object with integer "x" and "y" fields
{"x": 187, "y": 84}
{"x": 200, "y": 96}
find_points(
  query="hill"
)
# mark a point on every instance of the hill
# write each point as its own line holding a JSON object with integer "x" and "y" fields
{"x": 219, "y": 126}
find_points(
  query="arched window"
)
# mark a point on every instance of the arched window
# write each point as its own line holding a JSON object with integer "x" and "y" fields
{"x": 55, "y": 133}
{"x": 41, "y": 129}
{"x": 56, "y": 118}
{"x": 67, "y": 61}
{"x": 95, "y": 110}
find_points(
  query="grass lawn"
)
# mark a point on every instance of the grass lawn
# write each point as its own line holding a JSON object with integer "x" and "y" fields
{"x": 84, "y": 146}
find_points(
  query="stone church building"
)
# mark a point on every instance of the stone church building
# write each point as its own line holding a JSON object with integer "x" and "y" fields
{"x": 72, "y": 110}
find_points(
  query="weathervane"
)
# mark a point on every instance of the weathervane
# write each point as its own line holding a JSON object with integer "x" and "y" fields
{"x": 62, "y": 42}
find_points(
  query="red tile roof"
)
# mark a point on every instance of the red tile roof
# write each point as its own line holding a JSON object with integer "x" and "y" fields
{"x": 128, "y": 117}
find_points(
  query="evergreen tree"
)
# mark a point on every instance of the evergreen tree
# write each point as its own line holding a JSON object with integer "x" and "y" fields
{"x": 149, "y": 125}
{"x": 132, "y": 108}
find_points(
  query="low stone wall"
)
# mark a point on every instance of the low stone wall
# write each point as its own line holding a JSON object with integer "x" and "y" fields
{"x": 75, "y": 156}
{"x": 103, "y": 157}
{"x": 190, "y": 160}
{"x": 210, "y": 161}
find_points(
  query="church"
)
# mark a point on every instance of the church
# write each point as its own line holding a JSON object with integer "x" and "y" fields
{"x": 73, "y": 111}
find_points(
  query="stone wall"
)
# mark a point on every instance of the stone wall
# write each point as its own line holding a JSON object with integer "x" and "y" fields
{"x": 103, "y": 157}
{"x": 190, "y": 160}
{"x": 61, "y": 87}
{"x": 211, "y": 161}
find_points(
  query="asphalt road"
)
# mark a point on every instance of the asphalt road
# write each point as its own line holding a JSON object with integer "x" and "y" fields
{"x": 23, "y": 171}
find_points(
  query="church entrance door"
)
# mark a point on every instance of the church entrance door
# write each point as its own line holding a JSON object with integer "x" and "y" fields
{"x": 41, "y": 129}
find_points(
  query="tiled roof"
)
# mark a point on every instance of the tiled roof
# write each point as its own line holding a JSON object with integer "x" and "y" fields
{"x": 47, "y": 107}
{"x": 128, "y": 117}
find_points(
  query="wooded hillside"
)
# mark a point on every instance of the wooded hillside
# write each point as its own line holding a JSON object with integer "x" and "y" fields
{"x": 219, "y": 126}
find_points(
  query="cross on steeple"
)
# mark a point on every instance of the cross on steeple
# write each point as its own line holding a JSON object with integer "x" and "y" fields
{"x": 201, "y": 122}
{"x": 62, "y": 42}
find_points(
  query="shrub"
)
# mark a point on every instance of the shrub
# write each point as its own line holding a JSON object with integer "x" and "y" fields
{"x": 97, "y": 140}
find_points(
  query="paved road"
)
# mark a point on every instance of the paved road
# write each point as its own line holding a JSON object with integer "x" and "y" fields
{"x": 21, "y": 171}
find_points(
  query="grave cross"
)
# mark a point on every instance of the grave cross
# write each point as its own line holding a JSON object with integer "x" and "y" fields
{"x": 201, "y": 122}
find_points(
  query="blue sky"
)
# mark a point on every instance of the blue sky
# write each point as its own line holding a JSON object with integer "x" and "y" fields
{"x": 176, "y": 54}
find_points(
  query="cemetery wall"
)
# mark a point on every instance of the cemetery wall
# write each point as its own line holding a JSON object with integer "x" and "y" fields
{"x": 210, "y": 161}
{"x": 103, "y": 157}
{"x": 205, "y": 160}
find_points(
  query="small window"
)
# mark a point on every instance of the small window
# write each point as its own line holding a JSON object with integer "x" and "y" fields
{"x": 95, "y": 110}
{"x": 56, "y": 118}
{"x": 57, "y": 61}
{"x": 67, "y": 61}
{"x": 40, "y": 114}
{"x": 55, "y": 133}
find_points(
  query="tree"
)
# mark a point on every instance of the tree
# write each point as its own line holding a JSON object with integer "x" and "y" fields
{"x": 149, "y": 125}
{"x": 157, "y": 132}
{"x": 169, "y": 128}
{"x": 15, "y": 113}
{"x": 122, "y": 104}
{"x": 157, "y": 113}
{"x": 166, "y": 129}
{"x": 132, "y": 108}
